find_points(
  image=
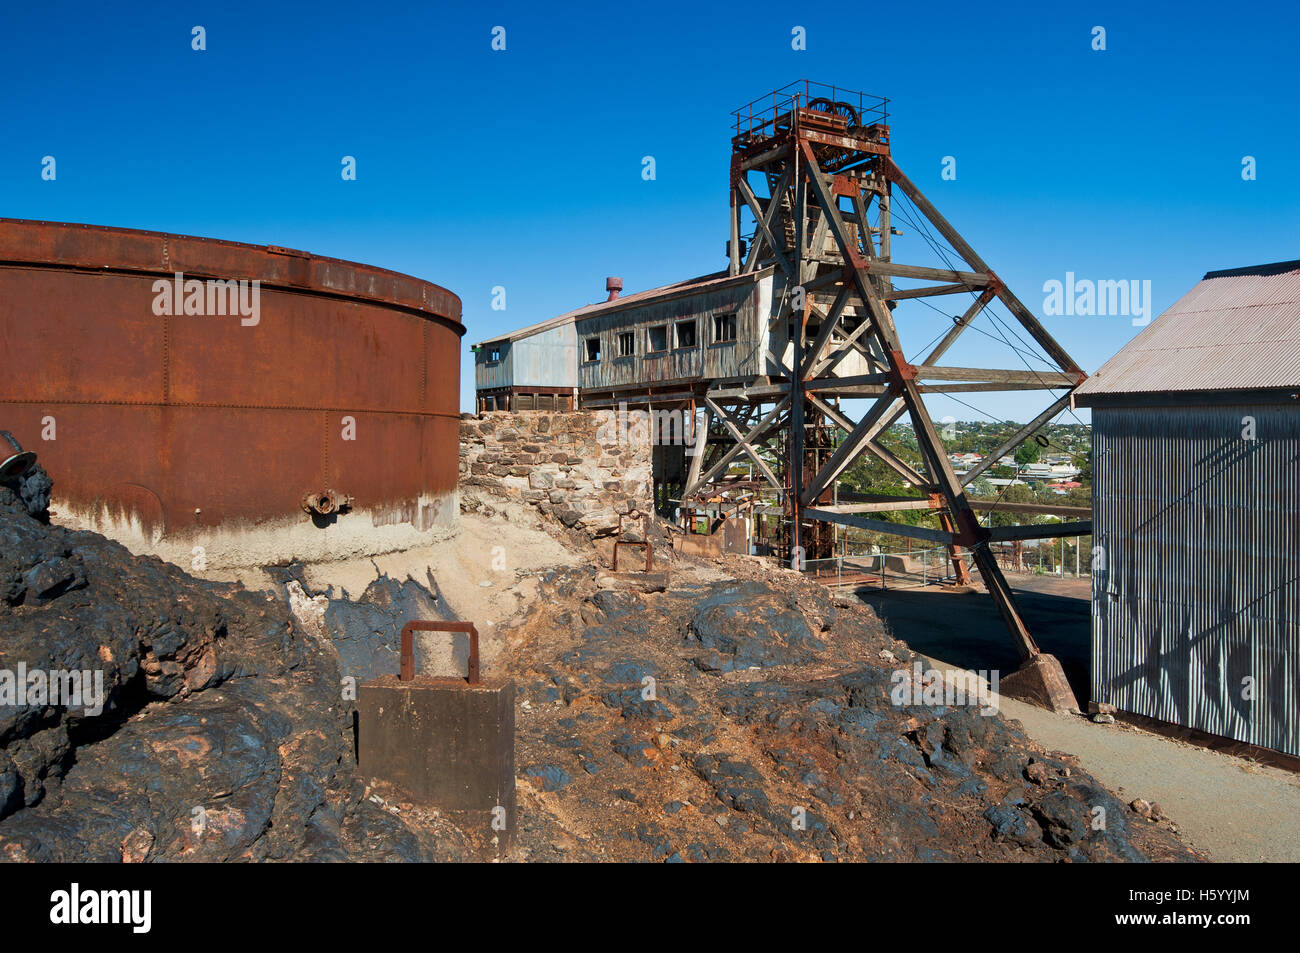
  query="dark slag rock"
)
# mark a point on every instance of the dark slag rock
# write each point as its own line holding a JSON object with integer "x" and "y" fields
{"x": 551, "y": 776}
{"x": 223, "y": 734}
{"x": 746, "y": 626}
{"x": 367, "y": 631}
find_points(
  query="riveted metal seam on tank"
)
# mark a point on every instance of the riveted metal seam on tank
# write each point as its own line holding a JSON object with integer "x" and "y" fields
{"x": 342, "y": 409}
{"x": 100, "y": 248}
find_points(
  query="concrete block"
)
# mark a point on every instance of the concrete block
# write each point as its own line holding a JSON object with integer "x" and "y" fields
{"x": 1041, "y": 681}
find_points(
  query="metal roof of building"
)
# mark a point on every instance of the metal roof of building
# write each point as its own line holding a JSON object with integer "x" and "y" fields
{"x": 689, "y": 286}
{"x": 1236, "y": 330}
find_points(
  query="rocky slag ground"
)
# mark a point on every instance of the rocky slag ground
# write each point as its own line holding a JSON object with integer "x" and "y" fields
{"x": 224, "y": 735}
{"x": 742, "y": 715}
{"x": 771, "y": 735}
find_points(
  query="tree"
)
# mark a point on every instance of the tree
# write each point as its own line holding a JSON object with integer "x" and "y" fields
{"x": 1027, "y": 452}
{"x": 1085, "y": 469}
{"x": 1015, "y": 493}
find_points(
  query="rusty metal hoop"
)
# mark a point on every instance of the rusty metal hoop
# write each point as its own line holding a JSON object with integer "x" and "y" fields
{"x": 408, "y": 646}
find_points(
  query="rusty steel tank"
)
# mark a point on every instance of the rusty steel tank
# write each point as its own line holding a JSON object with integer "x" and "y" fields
{"x": 222, "y": 404}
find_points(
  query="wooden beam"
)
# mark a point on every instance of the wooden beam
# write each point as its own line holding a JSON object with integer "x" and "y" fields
{"x": 839, "y": 383}
{"x": 880, "y": 506}
{"x": 750, "y": 391}
{"x": 1041, "y": 509}
{"x": 744, "y": 443}
{"x": 998, "y": 534}
{"x": 844, "y": 142}
{"x": 881, "y": 321}
{"x": 849, "y": 450}
{"x": 885, "y": 455}
{"x": 1015, "y": 440}
{"x": 864, "y": 225}
{"x": 837, "y": 418}
{"x": 959, "y": 326}
{"x": 762, "y": 426}
{"x": 839, "y": 351}
{"x": 879, "y": 526}
{"x": 1014, "y": 305}
{"x": 829, "y": 323}
{"x": 764, "y": 219}
{"x": 853, "y": 496}
{"x": 817, "y": 247}
{"x": 897, "y": 465}
{"x": 898, "y": 294}
{"x": 733, "y": 265}
{"x": 969, "y": 279}
{"x": 697, "y": 461}
{"x": 763, "y": 158}
{"x": 983, "y": 387}
{"x": 1047, "y": 379}
{"x": 834, "y": 278}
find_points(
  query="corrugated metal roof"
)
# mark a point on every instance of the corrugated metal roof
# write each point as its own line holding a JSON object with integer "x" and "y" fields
{"x": 689, "y": 286}
{"x": 530, "y": 330}
{"x": 1237, "y": 329}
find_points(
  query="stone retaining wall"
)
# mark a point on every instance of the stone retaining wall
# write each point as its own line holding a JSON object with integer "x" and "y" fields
{"x": 573, "y": 467}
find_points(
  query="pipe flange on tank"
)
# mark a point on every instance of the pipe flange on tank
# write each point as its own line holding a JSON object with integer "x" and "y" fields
{"x": 14, "y": 460}
{"x": 325, "y": 502}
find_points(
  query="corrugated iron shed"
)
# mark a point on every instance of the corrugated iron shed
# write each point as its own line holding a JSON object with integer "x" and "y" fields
{"x": 1196, "y": 512}
{"x": 1236, "y": 330}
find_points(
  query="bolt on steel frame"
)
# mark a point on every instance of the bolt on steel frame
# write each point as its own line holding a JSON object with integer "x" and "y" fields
{"x": 822, "y": 155}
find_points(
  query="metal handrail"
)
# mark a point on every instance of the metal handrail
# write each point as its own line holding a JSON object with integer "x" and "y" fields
{"x": 768, "y": 109}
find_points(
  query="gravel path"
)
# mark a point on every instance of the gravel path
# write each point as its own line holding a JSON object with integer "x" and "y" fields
{"x": 1233, "y": 809}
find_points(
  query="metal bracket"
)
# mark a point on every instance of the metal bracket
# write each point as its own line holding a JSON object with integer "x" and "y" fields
{"x": 649, "y": 546}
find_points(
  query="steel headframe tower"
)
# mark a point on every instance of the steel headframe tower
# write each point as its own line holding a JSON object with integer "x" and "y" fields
{"x": 822, "y": 156}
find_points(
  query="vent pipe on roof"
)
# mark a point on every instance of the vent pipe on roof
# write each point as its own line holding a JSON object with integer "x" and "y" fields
{"x": 613, "y": 286}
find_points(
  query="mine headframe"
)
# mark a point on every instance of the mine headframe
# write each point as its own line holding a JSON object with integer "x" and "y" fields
{"x": 811, "y": 164}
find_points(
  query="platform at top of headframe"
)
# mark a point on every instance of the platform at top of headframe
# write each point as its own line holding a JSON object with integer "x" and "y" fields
{"x": 827, "y": 114}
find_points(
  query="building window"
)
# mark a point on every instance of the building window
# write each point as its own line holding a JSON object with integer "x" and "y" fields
{"x": 685, "y": 334}
{"x": 659, "y": 338}
{"x": 626, "y": 344}
{"x": 592, "y": 350}
{"x": 724, "y": 328}
{"x": 810, "y": 332}
{"x": 494, "y": 354}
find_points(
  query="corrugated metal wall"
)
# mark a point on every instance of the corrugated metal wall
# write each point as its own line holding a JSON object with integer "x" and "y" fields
{"x": 1200, "y": 589}
{"x": 741, "y": 358}
{"x": 489, "y": 374}
{"x": 548, "y": 359}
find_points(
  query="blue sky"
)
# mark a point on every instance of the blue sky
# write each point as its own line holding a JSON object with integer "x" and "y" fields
{"x": 522, "y": 168}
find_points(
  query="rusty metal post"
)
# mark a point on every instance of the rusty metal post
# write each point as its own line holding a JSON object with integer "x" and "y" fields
{"x": 649, "y": 546}
{"x": 955, "y": 553}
